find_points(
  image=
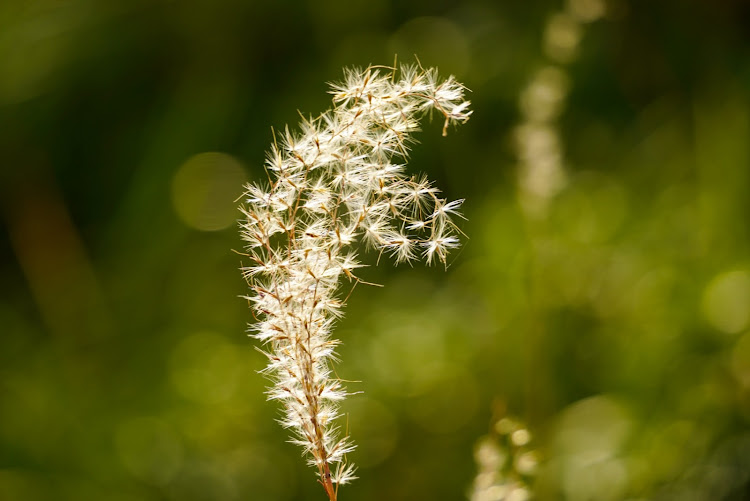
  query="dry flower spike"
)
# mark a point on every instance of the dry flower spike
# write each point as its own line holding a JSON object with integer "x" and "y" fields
{"x": 332, "y": 185}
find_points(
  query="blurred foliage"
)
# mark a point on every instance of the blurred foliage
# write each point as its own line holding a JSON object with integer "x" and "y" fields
{"x": 612, "y": 313}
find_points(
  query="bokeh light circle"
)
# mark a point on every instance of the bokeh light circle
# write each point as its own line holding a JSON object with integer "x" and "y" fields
{"x": 204, "y": 190}
{"x": 726, "y": 301}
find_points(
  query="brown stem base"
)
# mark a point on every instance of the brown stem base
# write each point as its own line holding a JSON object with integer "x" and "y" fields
{"x": 327, "y": 484}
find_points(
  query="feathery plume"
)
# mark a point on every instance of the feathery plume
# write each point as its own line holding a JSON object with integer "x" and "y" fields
{"x": 331, "y": 185}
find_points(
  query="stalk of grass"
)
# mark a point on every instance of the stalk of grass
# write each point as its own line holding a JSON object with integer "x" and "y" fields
{"x": 331, "y": 185}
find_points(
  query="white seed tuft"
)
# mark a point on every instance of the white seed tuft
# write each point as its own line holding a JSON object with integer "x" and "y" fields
{"x": 334, "y": 184}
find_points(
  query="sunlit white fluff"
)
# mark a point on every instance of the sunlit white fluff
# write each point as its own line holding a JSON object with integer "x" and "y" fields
{"x": 333, "y": 184}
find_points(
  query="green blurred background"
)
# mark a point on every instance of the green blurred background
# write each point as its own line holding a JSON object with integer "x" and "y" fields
{"x": 603, "y": 295}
